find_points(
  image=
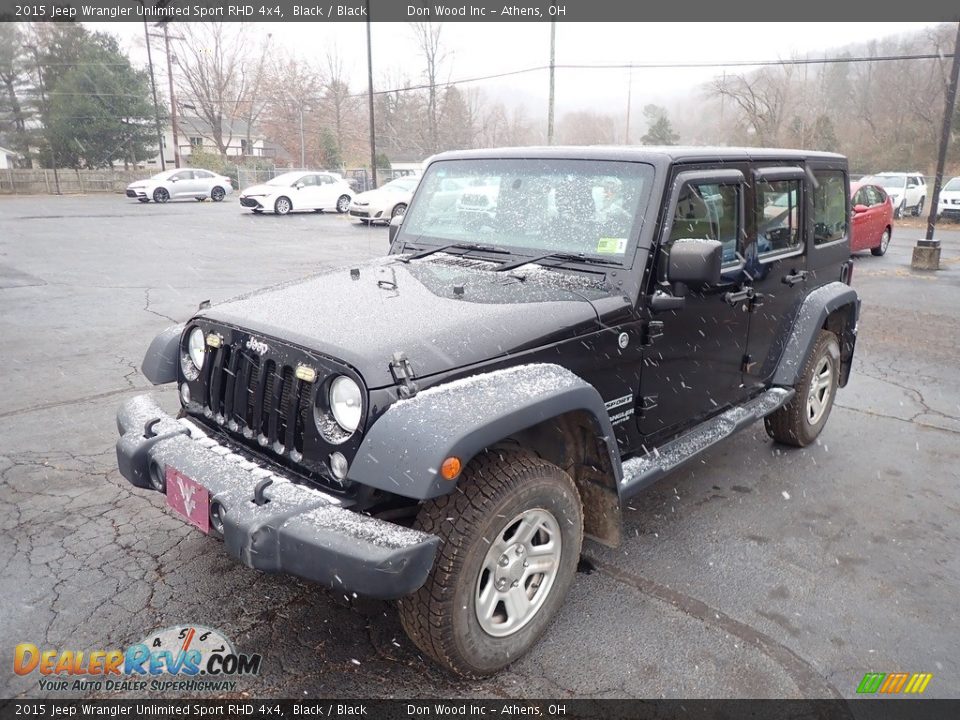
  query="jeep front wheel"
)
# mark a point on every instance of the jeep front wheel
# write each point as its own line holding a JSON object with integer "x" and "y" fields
{"x": 800, "y": 421}
{"x": 510, "y": 540}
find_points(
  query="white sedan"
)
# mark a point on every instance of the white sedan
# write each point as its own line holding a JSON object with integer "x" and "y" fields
{"x": 299, "y": 190}
{"x": 196, "y": 183}
{"x": 384, "y": 203}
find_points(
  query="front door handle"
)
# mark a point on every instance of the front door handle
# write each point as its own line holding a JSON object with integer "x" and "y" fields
{"x": 795, "y": 277}
{"x": 735, "y": 298}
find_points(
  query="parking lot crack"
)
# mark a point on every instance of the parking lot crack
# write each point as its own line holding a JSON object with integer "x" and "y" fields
{"x": 810, "y": 682}
{"x": 146, "y": 306}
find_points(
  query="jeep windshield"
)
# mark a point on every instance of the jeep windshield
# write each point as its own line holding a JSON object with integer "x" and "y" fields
{"x": 576, "y": 208}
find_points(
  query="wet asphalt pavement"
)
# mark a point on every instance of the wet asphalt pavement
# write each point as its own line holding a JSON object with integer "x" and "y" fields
{"x": 760, "y": 572}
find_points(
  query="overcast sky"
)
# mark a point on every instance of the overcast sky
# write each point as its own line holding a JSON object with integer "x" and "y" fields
{"x": 489, "y": 48}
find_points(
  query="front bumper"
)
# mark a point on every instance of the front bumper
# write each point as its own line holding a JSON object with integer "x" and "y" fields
{"x": 250, "y": 202}
{"x": 299, "y": 530}
{"x": 136, "y": 193}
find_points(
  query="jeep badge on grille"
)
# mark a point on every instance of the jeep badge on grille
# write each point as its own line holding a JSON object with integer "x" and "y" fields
{"x": 258, "y": 346}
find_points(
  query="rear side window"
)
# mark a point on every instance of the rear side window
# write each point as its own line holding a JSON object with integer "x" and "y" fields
{"x": 829, "y": 206}
{"x": 778, "y": 216}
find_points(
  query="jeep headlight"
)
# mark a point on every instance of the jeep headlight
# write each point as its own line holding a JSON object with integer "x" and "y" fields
{"x": 191, "y": 361}
{"x": 346, "y": 403}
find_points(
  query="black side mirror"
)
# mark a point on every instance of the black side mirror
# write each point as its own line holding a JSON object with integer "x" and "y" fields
{"x": 695, "y": 262}
{"x": 395, "y": 223}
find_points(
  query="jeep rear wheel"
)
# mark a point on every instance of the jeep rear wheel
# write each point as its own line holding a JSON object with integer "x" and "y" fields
{"x": 510, "y": 540}
{"x": 800, "y": 421}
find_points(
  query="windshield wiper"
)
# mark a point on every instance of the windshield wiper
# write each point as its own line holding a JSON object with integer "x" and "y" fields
{"x": 569, "y": 257}
{"x": 452, "y": 246}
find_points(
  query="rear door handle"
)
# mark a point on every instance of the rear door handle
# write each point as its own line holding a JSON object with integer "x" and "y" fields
{"x": 795, "y": 277}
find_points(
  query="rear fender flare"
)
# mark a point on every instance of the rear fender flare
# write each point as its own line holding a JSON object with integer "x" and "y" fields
{"x": 813, "y": 316}
{"x": 404, "y": 449}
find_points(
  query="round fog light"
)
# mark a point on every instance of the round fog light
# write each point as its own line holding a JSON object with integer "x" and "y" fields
{"x": 185, "y": 394}
{"x": 217, "y": 511}
{"x": 338, "y": 465}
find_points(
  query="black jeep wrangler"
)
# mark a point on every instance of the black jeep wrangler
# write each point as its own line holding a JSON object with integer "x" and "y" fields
{"x": 553, "y": 330}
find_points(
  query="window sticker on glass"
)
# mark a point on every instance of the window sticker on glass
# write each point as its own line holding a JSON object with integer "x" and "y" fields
{"x": 612, "y": 246}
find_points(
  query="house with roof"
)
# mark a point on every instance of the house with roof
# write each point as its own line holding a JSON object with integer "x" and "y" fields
{"x": 195, "y": 133}
{"x": 8, "y": 158}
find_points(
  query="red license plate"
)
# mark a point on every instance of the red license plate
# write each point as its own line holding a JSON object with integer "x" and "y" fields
{"x": 188, "y": 498}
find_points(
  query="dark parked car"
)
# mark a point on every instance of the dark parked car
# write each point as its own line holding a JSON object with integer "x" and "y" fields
{"x": 444, "y": 425}
{"x": 872, "y": 218}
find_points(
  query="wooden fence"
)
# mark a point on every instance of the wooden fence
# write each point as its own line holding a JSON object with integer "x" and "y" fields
{"x": 67, "y": 181}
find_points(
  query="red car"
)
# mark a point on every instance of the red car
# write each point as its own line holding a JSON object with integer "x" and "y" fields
{"x": 872, "y": 218}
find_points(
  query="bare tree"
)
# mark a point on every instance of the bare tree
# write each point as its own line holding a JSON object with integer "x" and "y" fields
{"x": 291, "y": 97}
{"x": 761, "y": 96}
{"x": 211, "y": 62}
{"x": 252, "y": 83}
{"x": 427, "y": 36}
{"x": 341, "y": 107}
{"x": 13, "y": 78}
{"x": 586, "y": 128}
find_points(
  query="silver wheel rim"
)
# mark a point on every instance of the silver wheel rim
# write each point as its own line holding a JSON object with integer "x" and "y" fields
{"x": 161, "y": 195}
{"x": 343, "y": 204}
{"x": 283, "y": 206}
{"x": 884, "y": 240}
{"x": 821, "y": 388}
{"x": 399, "y": 211}
{"x": 218, "y": 194}
{"x": 518, "y": 572}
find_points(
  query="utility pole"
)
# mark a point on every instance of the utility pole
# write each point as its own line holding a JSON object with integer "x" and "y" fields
{"x": 156, "y": 105}
{"x": 303, "y": 151}
{"x": 46, "y": 120}
{"x": 926, "y": 254}
{"x": 173, "y": 99}
{"x": 626, "y": 135}
{"x": 373, "y": 138}
{"x": 553, "y": 53}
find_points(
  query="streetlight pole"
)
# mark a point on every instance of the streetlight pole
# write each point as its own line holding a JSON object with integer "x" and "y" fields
{"x": 156, "y": 105}
{"x": 303, "y": 150}
{"x": 926, "y": 254}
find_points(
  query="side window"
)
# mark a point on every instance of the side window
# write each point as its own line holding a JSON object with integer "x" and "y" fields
{"x": 860, "y": 197}
{"x": 778, "y": 216}
{"x": 830, "y": 206}
{"x": 202, "y": 174}
{"x": 709, "y": 211}
{"x": 873, "y": 196}
{"x": 308, "y": 180}
{"x": 324, "y": 180}
{"x": 184, "y": 175}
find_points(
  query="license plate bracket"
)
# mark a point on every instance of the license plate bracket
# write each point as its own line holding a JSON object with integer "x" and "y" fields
{"x": 188, "y": 498}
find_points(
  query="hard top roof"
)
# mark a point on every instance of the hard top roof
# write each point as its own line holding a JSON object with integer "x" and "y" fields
{"x": 639, "y": 153}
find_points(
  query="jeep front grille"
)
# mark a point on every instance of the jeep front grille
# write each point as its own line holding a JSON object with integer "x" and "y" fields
{"x": 257, "y": 397}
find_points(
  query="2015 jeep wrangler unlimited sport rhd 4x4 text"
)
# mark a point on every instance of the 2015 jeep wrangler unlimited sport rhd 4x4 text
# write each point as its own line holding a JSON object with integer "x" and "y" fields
{"x": 443, "y": 425}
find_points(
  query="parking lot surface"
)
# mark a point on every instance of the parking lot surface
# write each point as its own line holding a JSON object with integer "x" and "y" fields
{"x": 759, "y": 572}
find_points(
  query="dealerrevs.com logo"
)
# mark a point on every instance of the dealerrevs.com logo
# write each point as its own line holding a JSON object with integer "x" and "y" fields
{"x": 182, "y": 657}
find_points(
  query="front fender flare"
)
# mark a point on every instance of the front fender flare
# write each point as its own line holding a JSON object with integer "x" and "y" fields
{"x": 404, "y": 449}
{"x": 160, "y": 363}
{"x": 811, "y": 318}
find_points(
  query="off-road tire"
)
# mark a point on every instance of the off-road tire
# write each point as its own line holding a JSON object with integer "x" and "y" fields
{"x": 881, "y": 249}
{"x": 790, "y": 424}
{"x": 918, "y": 208}
{"x": 441, "y": 617}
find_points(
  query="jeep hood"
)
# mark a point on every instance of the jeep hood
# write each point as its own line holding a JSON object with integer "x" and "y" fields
{"x": 444, "y": 312}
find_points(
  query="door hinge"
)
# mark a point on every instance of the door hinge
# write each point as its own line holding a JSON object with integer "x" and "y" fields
{"x": 654, "y": 330}
{"x": 402, "y": 372}
{"x": 747, "y": 363}
{"x": 648, "y": 402}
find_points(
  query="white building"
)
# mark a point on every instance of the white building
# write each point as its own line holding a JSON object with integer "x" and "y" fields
{"x": 194, "y": 133}
{"x": 8, "y": 158}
